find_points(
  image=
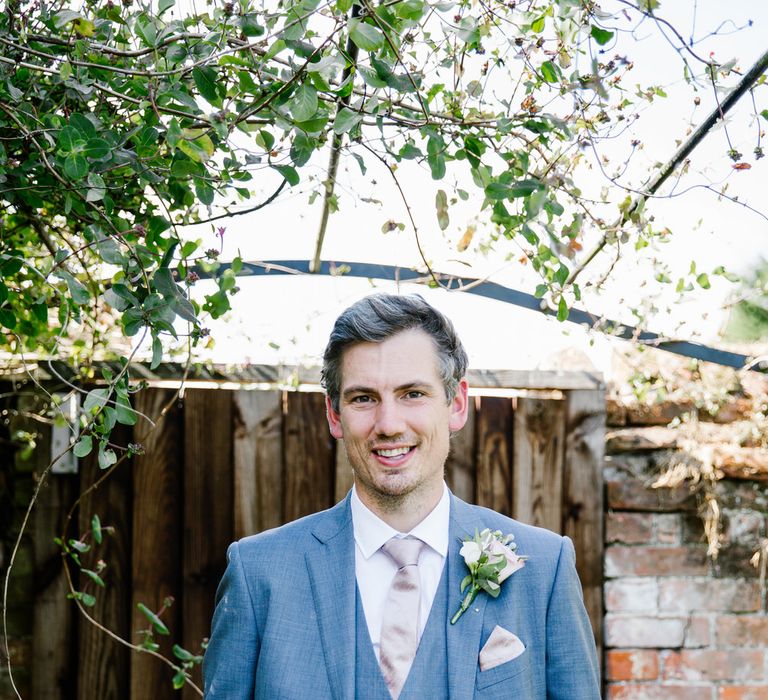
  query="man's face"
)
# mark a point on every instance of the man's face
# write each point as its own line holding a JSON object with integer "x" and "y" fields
{"x": 395, "y": 419}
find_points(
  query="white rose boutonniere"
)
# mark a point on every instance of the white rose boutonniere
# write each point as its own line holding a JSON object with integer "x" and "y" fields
{"x": 491, "y": 559}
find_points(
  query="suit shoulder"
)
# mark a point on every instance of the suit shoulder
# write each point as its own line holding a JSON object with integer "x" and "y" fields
{"x": 530, "y": 536}
{"x": 294, "y": 533}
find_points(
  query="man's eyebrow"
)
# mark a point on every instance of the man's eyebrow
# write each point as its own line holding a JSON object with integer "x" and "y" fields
{"x": 362, "y": 389}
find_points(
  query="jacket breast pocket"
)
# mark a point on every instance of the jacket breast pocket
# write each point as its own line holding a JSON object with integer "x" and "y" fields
{"x": 511, "y": 669}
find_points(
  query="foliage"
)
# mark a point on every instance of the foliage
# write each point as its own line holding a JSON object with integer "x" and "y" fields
{"x": 122, "y": 122}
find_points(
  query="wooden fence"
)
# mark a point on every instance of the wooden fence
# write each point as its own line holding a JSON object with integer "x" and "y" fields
{"x": 225, "y": 463}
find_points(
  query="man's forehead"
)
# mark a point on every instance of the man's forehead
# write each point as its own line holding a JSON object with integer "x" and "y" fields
{"x": 409, "y": 356}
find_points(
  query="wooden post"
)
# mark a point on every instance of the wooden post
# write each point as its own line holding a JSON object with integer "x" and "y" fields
{"x": 493, "y": 461}
{"x": 539, "y": 451}
{"x": 583, "y": 496}
{"x": 258, "y": 456}
{"x": 157, "y": 528}
{"x": 208, "y": 517}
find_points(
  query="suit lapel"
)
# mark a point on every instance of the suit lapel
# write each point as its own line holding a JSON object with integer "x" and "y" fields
{"x": 331, "y": 566}
{"x": 463, "y": 638}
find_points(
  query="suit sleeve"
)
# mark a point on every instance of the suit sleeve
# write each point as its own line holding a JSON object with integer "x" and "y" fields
{"x": 229, "y": 664}
{"x": 572, "y": 668}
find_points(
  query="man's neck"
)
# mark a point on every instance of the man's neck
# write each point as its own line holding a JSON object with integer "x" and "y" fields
{"x": 402, "y": 513}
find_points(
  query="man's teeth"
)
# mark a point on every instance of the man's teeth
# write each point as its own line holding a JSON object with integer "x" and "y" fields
{"x": 393, "y": 453}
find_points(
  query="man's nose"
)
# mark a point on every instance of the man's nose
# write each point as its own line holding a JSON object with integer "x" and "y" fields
{"x": 389, "y": 418}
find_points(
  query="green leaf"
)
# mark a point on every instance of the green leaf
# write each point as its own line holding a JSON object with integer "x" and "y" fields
{"x": 435, "y": 157}
{"x": 541, "y": 290}
{"x": 75, "y": 166}
{"x": 95, "y": 399}
{"x": 288, "y": 173}
{"x": 561, "y": 275}
{"x": 601, "y": 36}
{"x": 163, "y": 5}
{"x": 182, "y": 654}
{"x": 157, "y": 352}
{"x": 549, "y": 72}
{"x": 562, "y": 310}
{"x": 3, "y": 293}
{"x": 205, "y": 78}
{"x": 96, "y": 529}
{"x": 764, "y": 114}
{"x": 77, "y": 291}
{"x": 107, "y": 456}
{"x": 703, "y": 281}
{"x": 157, "y": 623}
{"x": 83, "y": 446}
{"x": 64, "y": 17}
{"x": 179, "y": 679}
{"x": 97, "y": 188}
{"x": 537, "y": 25}
{"x": 301, "y": 148}
{"x": 303, "y": 103}
{"x": 441, "y": 206}
{"x": 250, "y": 26}
{"x": 94, "y": 577}
{"x": 346, "y": 119}
{"x": 97, "y": 149}
{"x": 87, "y": 599}
{"x": 365, "y": 36}
{"x": 125, "y": 414}
{"x": 7, "y": 319}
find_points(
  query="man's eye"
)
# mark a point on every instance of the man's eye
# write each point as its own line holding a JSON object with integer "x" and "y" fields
{"x": 415, "y": 394}
{"x": 360, "y": 399}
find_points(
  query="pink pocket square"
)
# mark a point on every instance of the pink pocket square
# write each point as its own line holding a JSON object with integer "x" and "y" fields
{"x": 502, "y": 646}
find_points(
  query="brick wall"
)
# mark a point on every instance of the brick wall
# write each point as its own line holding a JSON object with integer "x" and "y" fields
{"x": 679, "y": 626}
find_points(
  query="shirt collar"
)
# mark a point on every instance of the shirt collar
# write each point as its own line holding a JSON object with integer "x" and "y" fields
{"x": 371, "y": 532}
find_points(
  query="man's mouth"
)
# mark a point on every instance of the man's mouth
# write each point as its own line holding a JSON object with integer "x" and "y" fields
{"x": 393, "y": 452}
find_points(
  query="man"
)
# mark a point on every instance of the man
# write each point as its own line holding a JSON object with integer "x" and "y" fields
{"x": 357, "y": 601}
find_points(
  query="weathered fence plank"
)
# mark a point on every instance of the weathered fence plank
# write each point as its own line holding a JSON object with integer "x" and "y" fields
{"x": 53, "y": 636}
{"x": 104, "y": 664}
{"x": 208, "y": 519}
{"x": 258, "y": 461}
{"x": 157, "y": 529}
{"x": 309, "y": 456}
{"x": 538, "y": 459}
{"x": 460, "y": 466}
{"x": 494, "y": 454}
{"x": 583, "y": 496}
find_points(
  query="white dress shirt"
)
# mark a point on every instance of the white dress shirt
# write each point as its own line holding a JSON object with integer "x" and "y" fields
{"x": 374, "y": 570}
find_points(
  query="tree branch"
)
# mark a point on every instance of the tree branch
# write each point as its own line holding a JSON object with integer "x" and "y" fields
{"x": 749, "y": 79}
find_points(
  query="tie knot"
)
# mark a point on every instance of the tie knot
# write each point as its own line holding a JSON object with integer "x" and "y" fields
{"x": 404, "y": 552}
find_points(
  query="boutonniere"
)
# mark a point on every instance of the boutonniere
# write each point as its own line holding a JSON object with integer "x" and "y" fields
{"x": 491, "y": 559}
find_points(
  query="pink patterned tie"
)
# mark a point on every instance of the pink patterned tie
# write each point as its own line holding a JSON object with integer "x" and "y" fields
{"x": 399, "y": 628}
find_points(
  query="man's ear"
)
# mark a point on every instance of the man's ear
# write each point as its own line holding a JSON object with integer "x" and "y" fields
{"x": 334, "y": 420}
{"x": 459, "y": 407}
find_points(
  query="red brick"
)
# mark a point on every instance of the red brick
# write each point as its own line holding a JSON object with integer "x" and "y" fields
{"x": 633, "y": 494}
{"x": 742, "y": 630}
{"x": 688, "y": 594}
{"x": 631, "y": 665}
{"x": 713, "y": 665}
{"x": 644, "y": 691}
{"x": 647, "y": 631}
{"x": 622, "y": 560}
{"x": 632, "y": 594}
{"x": 697, "y": 632}
{"x": 668, "y": 528}
{"x": 629, "y": 528}
{"x": 743, "y": 692}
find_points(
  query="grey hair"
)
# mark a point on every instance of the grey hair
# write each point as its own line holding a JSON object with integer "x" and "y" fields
{"x": 380, "y": 316}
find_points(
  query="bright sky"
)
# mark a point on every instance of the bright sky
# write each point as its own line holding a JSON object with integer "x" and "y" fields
{"x": 284, "y": 319}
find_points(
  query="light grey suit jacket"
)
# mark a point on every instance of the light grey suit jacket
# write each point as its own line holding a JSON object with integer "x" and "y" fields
{"x": 284, "y": 626}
